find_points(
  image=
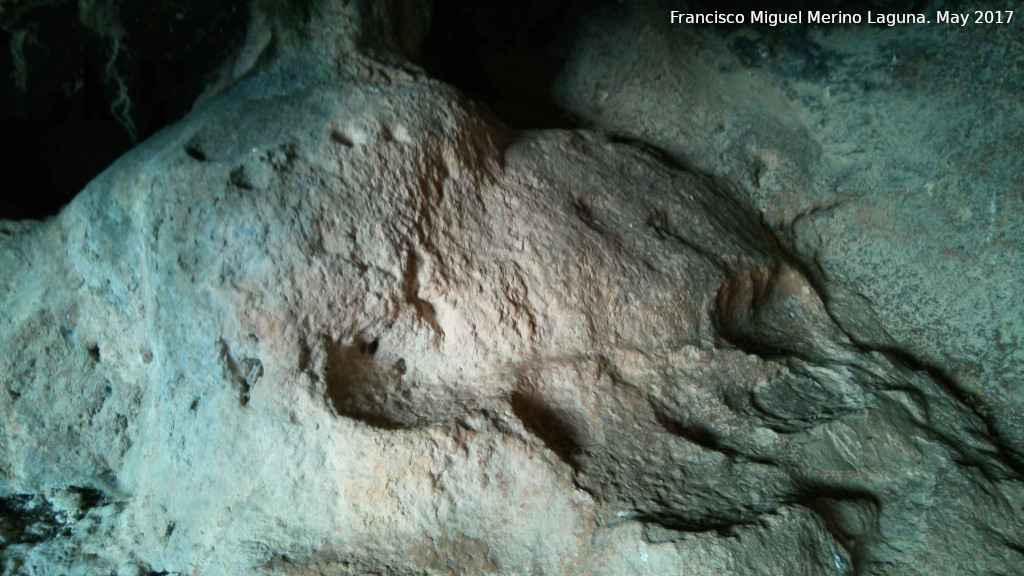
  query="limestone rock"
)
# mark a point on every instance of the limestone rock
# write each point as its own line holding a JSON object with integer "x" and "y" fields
{"x": 341, "y": 320}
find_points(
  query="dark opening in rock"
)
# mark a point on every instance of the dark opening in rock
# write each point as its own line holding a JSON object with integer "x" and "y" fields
{"x": 81, "y": 86}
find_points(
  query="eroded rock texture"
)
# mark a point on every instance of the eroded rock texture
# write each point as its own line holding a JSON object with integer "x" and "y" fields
{"x": 342, "y": 320}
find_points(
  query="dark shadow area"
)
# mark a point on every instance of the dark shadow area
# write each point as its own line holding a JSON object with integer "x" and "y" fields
{"x": 505, "y": 53}
{"x": 30, "y": 518}
{"x": 80, "y": 88}
{"x": 356, "y": 386}
{"x": 509, "y": 54}
{"x": 548, "y": 425}
{"x": 26, "y": 519}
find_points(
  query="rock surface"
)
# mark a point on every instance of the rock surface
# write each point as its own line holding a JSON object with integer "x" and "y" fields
{"x": 342, "y": 320}
{"x": 884, "y": 157}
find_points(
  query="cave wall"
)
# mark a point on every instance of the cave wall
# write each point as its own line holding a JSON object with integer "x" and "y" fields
{"x": 445, "y": 288}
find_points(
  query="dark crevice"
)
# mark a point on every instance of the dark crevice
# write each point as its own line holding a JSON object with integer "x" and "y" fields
{"x": 511, "y": 54}
{"x": 195, "y": 153}
{"x": 339, "y": 137}
{"x": 824, "y": 508}
{"x": 507, "y": 54}
{"x": 32, "y": 519}
{"x": 89, "y": 497}
{"x": 586, "y": 215}
{"x": 723, "y": 522}
{"x": 548, "y": 425}
{"x": 736, "y": 205}
{"x": 653, "y": 151}
{"x": 356, "y": 386}
{"x": 658, "y": 222}
{"x": 27, "y": 519}
{"x": 705, "y": 437}
{"x": 814, "y": 275}
{"x": 1004, "y": 454}
{"x": 370, "y": 347}
{"x": 674, "y": 523}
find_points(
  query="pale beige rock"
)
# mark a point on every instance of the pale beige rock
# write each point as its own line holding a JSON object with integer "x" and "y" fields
{"x": 350, "y": 324}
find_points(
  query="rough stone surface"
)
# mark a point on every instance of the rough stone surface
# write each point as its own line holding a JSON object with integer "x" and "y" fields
{"x": 884, "y": 157}
{"x": 343, "y": 320}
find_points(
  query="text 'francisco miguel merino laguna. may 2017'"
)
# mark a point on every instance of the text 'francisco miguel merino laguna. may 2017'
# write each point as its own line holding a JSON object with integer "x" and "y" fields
{"x": 819, "y": 17}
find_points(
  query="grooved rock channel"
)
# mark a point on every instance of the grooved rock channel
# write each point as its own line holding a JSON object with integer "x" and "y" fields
{"x": 342, "y": 320}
